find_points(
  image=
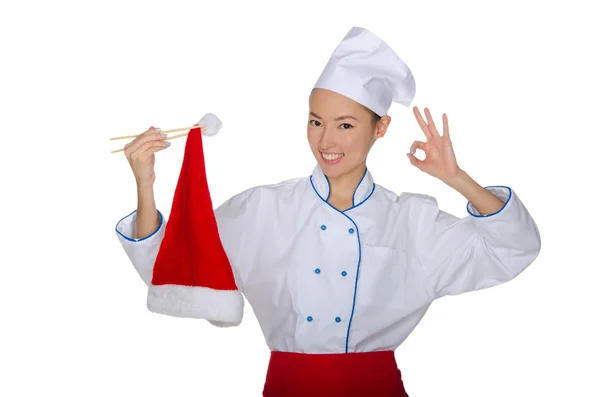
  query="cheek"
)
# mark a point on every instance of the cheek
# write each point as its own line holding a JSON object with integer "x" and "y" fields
{"x": 357, "y": 145}
{"x": 313, "y": 137}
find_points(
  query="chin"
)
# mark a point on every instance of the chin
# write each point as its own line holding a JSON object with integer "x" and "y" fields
{"x": 335, "y": 170}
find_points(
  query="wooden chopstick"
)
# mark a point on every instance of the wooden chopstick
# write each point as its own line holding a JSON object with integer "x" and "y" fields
{"x": 162, "y": 132}
{"x": 171, "y": 137}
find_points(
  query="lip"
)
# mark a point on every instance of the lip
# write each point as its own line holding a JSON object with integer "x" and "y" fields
{"x": 331, "y": 162}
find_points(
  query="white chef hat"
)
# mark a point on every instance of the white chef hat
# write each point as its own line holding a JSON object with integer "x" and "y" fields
{"x": 365, "y": 69}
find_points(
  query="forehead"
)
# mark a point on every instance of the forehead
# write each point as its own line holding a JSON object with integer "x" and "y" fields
{"x": 330, "y": 103}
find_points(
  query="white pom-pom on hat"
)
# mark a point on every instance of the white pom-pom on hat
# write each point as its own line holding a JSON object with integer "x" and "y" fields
{"x": 213, "y": 124}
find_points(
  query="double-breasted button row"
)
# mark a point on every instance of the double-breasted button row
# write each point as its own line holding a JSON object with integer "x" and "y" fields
{"x": 337, "y": 319}
{"x": 351, "y": 230}
{"x": 344, "y": 273}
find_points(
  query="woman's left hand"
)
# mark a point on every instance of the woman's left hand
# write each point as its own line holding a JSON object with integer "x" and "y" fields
{"x": 439, "y": 161}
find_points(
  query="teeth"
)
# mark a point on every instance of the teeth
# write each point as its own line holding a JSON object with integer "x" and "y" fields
{"x": 331, "y": 156}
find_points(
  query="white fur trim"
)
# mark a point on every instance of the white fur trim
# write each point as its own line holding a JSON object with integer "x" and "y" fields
{"x": 220, "y": 308}
{"x": 213, "y": 124}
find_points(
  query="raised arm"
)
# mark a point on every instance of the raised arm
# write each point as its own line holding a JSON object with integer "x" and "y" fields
{"x": 493, "y": 244}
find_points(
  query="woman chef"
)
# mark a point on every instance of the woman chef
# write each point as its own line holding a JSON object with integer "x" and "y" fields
{"x": 339, "y": 270}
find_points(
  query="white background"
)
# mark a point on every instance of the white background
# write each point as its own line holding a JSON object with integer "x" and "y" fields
{"x": 518, "y": 80}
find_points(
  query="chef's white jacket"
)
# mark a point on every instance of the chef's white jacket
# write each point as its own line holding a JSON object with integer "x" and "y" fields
{"x": 322, "y": 280}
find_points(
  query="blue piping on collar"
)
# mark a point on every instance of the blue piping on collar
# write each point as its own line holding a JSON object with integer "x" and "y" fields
{"x": 354, "y": 205}
{"x": 361, "y": 179}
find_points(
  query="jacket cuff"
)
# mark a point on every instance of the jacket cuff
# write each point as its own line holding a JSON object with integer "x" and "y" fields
{"x": 504, "y": 193}
{"x": 126, "y": 228}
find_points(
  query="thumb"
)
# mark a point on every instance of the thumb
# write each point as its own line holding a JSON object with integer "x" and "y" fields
{"x": 414, "y": 161}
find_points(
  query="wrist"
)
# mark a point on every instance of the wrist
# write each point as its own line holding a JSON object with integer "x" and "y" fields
{"x": 459, "y": 181}
{"x": 144, "y": 185}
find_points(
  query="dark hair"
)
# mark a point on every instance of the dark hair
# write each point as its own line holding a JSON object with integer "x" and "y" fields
{"x": 374, "y": 116}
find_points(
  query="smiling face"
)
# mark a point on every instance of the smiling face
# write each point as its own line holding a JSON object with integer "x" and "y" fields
{"x": 341, "y": 132}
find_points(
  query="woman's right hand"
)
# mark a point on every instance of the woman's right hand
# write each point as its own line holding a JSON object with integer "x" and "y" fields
{"x": 140, "y": 154}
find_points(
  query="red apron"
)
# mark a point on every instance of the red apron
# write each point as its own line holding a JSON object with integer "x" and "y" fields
{"x": 372, "y": 374}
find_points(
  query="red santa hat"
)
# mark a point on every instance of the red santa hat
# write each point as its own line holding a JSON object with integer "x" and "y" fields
{"x": 192, "y": 276}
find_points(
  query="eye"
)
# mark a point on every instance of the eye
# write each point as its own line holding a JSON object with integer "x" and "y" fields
{"x": 346, "y": 126}
{"x": 315, "y": 123}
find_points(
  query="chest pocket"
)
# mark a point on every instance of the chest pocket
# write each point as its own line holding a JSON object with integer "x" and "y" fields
{"x": 381, "y": 278}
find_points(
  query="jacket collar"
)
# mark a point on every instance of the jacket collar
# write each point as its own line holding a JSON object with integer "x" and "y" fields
{"x": 362, "y": 192}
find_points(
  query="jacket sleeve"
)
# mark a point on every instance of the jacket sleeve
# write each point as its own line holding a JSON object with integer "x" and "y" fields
{"x": 238, "y": 223}
{"x": 234, "y": 224}
{"x": 141, "y": 252}
{"x": 474, "y": 252}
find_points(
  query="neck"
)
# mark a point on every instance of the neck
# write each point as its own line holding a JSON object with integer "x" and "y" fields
{"x": 343, "y": 187}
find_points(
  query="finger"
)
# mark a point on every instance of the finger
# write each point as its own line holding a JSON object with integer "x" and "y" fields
{"x": 132, "y": 146}
{"x": 414, "y": 161}
{"x": 417, "y": 145}
{"x": 143, "y": 138}
{"x": 422, "y": 122}
{"x": 150, "y": 130}
{"x": 145, "y": 150}
{"x": 155, "y": 149}
{"x": 148, "y": 136}
{"x": 157, "y": 145}
{"x": 446, "y": 128}
{"x": 430, "y": 122}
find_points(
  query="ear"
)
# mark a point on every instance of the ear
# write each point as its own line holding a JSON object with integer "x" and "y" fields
{"x": 382, "y": 126}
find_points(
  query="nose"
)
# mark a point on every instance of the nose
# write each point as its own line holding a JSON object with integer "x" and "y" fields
{"x": 327, "y": 138}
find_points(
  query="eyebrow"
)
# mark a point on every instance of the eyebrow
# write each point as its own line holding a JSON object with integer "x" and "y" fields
{"x": 337, "y": 118}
